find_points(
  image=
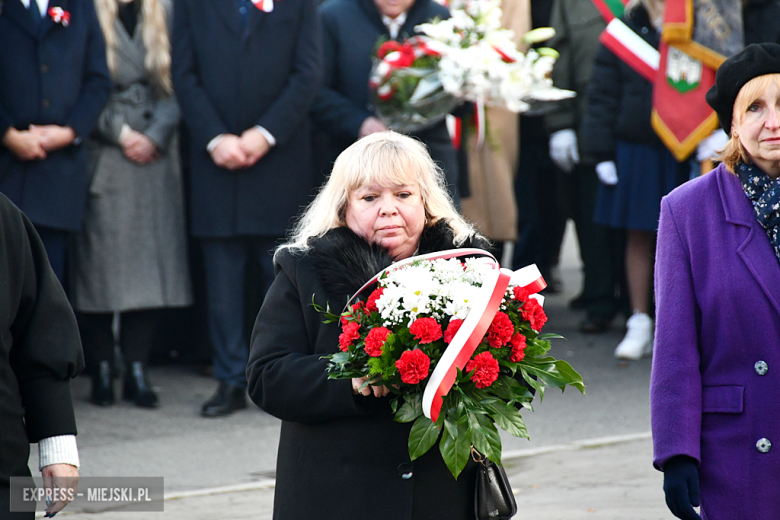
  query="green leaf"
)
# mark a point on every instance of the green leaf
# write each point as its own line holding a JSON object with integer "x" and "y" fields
{"x": 422, "y": 437}
{"x": 556, "y": 373}
{"x": 549, "y": 336}
{"x": 536, "y": 385}
{"x": 339, "y": 357}
{"x": 484, "y": 436}
{"x": 508, "y": 418}
{"x": 455, "y": 449}
{"x": 411, "y": 409}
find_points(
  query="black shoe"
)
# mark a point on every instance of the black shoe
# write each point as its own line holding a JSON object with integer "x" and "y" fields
{"x": 595, "y": 323}
{"x": 102, "y": 385}
{"x": 137, "y": 387}
{"x": 225, "y": 401}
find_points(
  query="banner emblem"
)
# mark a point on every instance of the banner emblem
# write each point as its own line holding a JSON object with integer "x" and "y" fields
{"x": 682, "y": 71}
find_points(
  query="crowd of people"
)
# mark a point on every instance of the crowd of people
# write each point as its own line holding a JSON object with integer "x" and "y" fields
{"x": 133, "y": 130}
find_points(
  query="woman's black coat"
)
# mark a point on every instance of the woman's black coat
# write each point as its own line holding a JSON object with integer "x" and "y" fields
{"x": 340, "y": 455}
{"x": 620, "y": 100}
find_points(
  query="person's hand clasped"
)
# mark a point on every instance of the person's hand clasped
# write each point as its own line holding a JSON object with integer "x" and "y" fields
{"x": 607, "y": 172}
{"x": 53, "y": 137}
{"x": 371, "y": 125}
{"x": 228, "y": 153}
{"x": 681, "y": 486}
{"x": 25, "y": 145}
{"x": 63, "y": 478}
{"x": 254, "y": 145}
{"x": 563, "y": 149}
{"x": 378, "y": 391}
{"x": 138, "y": 148}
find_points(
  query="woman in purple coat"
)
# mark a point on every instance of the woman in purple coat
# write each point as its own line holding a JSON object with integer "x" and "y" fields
{"x": 715, "y": 388}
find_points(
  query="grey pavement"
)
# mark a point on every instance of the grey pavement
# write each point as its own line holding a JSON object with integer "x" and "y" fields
{"x": 589, "y": 457}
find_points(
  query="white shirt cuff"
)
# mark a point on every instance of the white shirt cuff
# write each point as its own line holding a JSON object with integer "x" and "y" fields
{"x": 213, "y": 143}
{"x": 268, "y": 137}
{"x": 61, "y": 449}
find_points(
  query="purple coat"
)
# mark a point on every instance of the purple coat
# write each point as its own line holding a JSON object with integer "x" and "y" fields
{"x": 715, "y": 386}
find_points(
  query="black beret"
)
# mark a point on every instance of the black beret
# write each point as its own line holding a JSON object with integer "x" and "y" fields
{"x": 754, "y": 60}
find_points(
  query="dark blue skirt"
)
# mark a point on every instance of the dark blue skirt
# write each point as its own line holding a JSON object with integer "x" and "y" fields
{"x": 645, "y": 174}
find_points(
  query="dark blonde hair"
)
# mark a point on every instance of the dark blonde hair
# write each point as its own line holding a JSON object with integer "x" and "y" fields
{"x": 386, "y": 158}
{"x": 734, "y": 152}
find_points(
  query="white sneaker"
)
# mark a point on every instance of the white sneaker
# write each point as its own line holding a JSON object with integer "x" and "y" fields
{"x": 638, "y": 342}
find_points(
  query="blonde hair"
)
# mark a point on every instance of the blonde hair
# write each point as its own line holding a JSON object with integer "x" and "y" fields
{"x": 734, "y": 152}
{"x": 386, "y": 158}
{"x": 154, "y": 33}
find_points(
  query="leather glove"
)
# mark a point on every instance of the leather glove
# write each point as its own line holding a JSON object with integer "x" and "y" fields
{"x": 681, "y": 486}
{"x": 710, "y": 146}
{"x": 607, "y": 172}
{"x": 563, "y": 149}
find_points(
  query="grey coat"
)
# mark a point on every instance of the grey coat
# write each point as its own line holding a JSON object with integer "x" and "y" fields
{"x": 131, "y": 253}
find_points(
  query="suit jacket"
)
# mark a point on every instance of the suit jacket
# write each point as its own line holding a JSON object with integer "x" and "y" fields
{"x": 345, "y": 451}
{"x": 51, "y": 74}
{"x": 351, "y": 29}
{"x": 718, "y": 315}
{"x": 227, "y": 81}
{"x": 40, "y": 349}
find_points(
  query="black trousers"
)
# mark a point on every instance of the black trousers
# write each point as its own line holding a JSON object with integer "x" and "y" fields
{"x": 136, "y": 333}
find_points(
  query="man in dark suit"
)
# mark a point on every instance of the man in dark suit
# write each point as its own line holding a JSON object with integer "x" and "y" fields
{"x": 53, "y": 84}
{"x": 245, "y": 76}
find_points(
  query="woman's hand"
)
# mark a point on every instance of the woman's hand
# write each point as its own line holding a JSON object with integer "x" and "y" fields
{"x": 54, "y": 137}
{"x": 681, "y": 486}
{"x": 379, "y": 391}
{"x": 138, "y": 147}
{"x": 65, "y": 479}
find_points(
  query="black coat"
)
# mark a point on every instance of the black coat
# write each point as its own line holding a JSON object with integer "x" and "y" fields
{"x": 228, "y": 80}
{"x": 761, "y": 19}
{"x": 340, "y": 455}
{"x": 40, "y": 349}
{"x": 51, "y": 75}
{"x": 350, "y": 30}
{"x": 620, "y": 100}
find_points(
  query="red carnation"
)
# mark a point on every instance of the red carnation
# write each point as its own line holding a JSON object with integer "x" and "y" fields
{"x": 404, "y": 59}
{"x": 500, "y": 330}
{"x": 427, "y": 330}
{"x": 485, "y": 369}
{"x": 354, "y": 312}
{"x": 518, "y": 348}
{"x": 375, "y": 340}
{"x": 386, "y": 48}
{"x": 452, "y": 329}
{"x": 533, "y": 312}
{"x": 521, "y": 294}
{"x": 413, "y": 366}
{"x": 371, "y": 304}
{"x": 349, "y": 335}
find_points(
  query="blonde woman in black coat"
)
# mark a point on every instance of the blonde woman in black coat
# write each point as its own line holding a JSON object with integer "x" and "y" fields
{"x": 384, "y": 201}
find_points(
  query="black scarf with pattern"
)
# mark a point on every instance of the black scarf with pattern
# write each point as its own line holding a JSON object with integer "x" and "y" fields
{"x": 764, "y": 194}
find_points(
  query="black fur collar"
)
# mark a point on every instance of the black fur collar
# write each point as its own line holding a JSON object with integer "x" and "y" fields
{"x": 345, "y": 261}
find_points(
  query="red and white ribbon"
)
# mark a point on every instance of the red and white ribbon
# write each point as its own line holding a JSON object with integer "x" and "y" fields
{"x": 631, "y": 48}
{"x": 474, "y": 327}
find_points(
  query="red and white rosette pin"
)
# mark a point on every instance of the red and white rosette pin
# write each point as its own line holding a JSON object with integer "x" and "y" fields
{"x": 59, "y": 15}
{"x": 264, "y": 5}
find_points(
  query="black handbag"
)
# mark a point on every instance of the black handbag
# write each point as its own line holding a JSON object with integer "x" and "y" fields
{"x": 493, "y": 498}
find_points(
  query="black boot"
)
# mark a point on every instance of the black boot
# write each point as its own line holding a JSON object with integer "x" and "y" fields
{"x": 226, "y": 400}
{"x": 137, "y": 387}
{"x": 102, "y": 385}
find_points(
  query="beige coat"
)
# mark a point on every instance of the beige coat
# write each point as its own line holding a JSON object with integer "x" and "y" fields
{"x": 492, "y": 206}
{"x": 132, "y": 251}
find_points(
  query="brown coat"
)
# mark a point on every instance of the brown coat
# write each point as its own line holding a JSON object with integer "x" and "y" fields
{"x": 492, "y": 206}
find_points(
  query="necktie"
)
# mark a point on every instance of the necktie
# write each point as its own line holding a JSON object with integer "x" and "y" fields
{"x": 35, "y": 12}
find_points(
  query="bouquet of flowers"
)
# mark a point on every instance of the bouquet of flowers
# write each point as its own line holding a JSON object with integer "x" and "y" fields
{"x": 466, "y": 57}
{"x": 452, "y": 341}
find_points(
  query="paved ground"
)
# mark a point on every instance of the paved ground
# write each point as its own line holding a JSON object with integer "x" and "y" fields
{"x": 589, "y": 456}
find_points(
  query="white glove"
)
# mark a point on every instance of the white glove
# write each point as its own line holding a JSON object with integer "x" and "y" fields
{"x": 607, "y": 172}
{"x": 710, "y": 146}
{"x": 563, "y": 149}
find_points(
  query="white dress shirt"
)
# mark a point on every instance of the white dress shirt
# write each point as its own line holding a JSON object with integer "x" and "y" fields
{"x": 394, "y": 24}
{"x": 43, "y": 5}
